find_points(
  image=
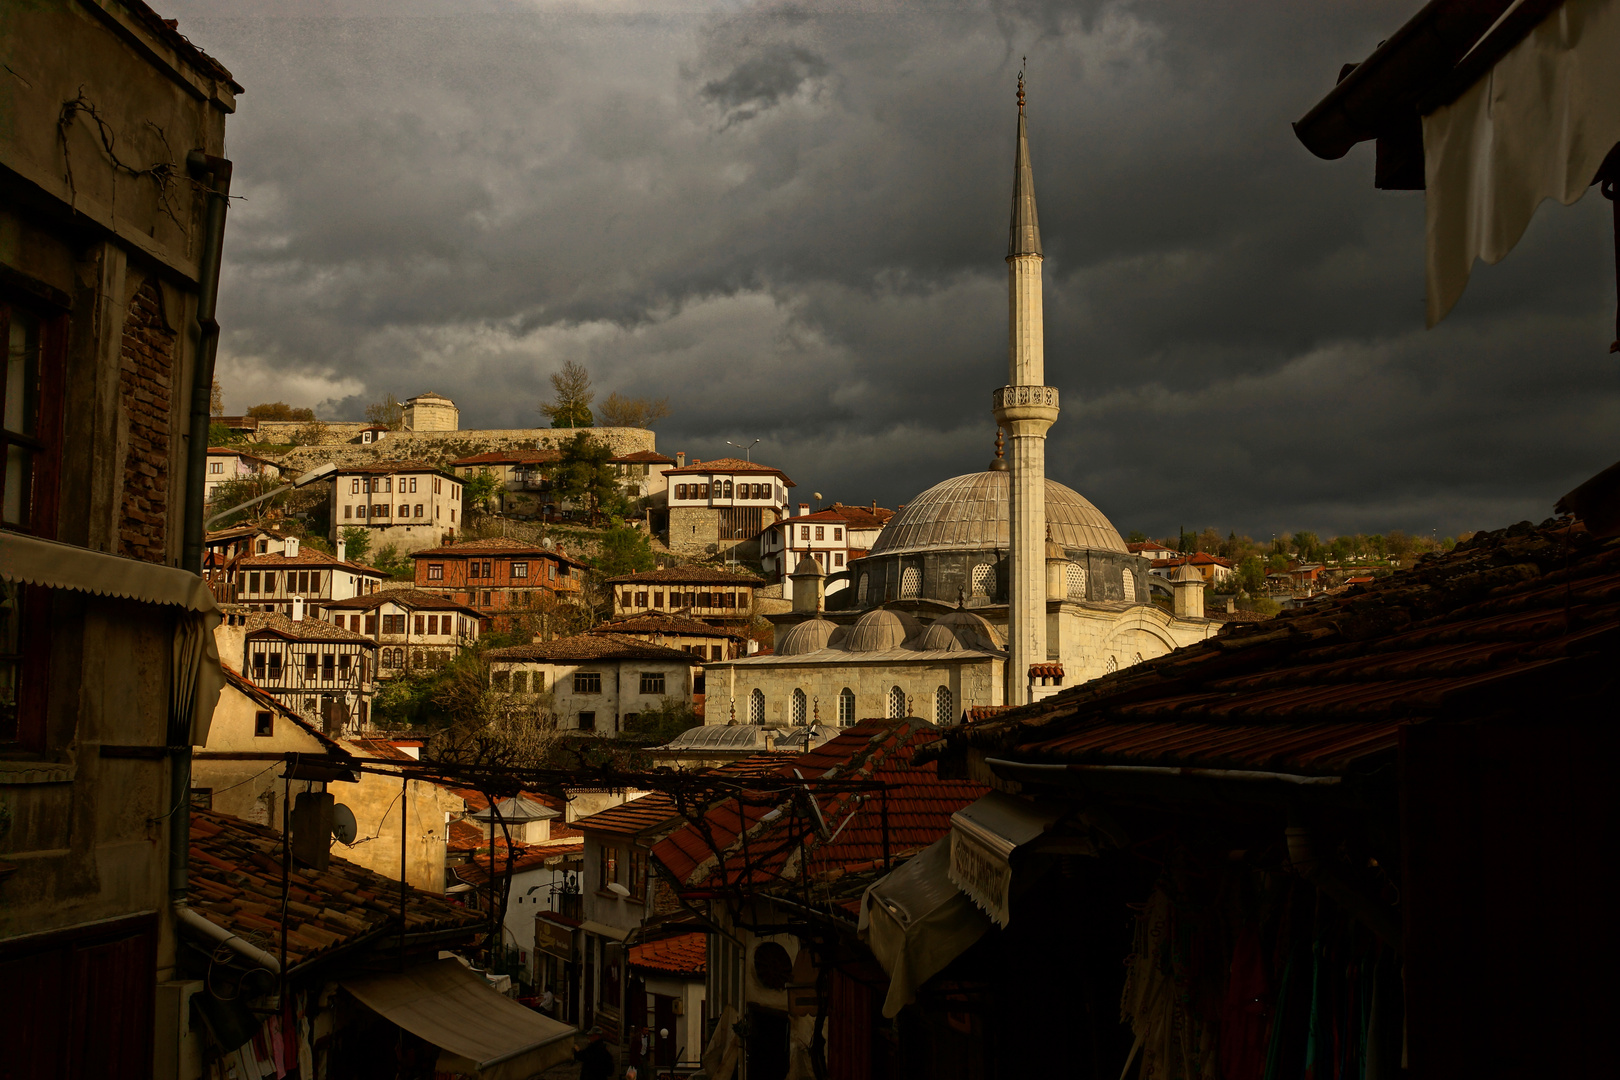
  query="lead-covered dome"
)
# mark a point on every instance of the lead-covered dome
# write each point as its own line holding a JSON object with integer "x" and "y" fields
{"x": 969, "y": 513}
{"x": 805, "y": 637}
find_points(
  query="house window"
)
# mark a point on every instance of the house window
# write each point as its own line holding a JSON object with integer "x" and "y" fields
{"x": 380, "y": 510}
{"x": 216, "y": 467}
{"x": 419, "y": 510}
{"x": 436, "y": 482}
{"x": 838, "y": 559}
{"x": 258, "y": 667}
{"x": 404, "y": 510}
{"x": 652, "y": 682}
{"x": 30, "y": 402}
{"x": 433, "y": 624}
{"x": 253, "y": 583}
{"x": 846, "y": 707}
{"x": 658, "y": 599}
{"x": 25, "y": 612}
{"x": 703, "y": 600}
{"x": 587, "y": 721}
{"x": 838, "y": 533}
{"x": 435, "y": 571}
{"x": 393, "y": 624}
{"x": 343, "y": 667}
{"x": 821, "y": 532}
{"x": 726, "y": 490}
{"x": 264, "y": 724}
{"x": 944, "y": 707}
{"x": 360, "y": 512}
{"x": 275, "y": 667}
{"x": 587, "y": 682}
{"x": 756, "y": 706}
{"x": 354, "y": 486}
{"x": 637, "y": 884}
{"x": 520, "y": 569}
{"x": 500, "y": 680}
{"x": 520, "y": 682}
{"x": 551, "y": 570}
{"x": 371, "y": 625}
{"x": 348, "y": 511}
{"x": 804, "y": 532}
{"x": 421, "y": 624}
{"x": 413, "y": 490}
{"x": 640, "y": 600}
{"x": 801, "y": 707}
{"x": 310, "y": 664}
{"x": 607, "y": 868}
{"x": 714, "y": 653}
{"x": 680, "y": 491}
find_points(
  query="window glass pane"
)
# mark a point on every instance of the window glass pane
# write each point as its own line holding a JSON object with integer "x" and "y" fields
{"x": 22, "y": 374}
{"x": 19, "y": 473}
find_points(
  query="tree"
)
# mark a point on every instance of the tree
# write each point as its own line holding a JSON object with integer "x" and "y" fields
{"x": 314, "y": 433}
{"x": 655, "y": 727}
{"x": 1209, "y": 541}
{"x": 229, "y": 493}
{"x": 477, "y": 492}
{"x": 219, "y": 435}
{"x": 1398, "y": 544}
{"x": 570, "y": 406}
{"x": 388, "y": 412}
{"x": 216, "y": 400}
{"x": 392, "y": 563}
{"x": 279, "y": 410}
{"x": 620, "y": 411}
{"x": 624, "y": 550}
{"x": 585, "y": 478}
{"x": 356, "y": 543}
{"x": 1307, "y": 545}
{"x": 1137, "y": 536}
{"x": 1251, "y": 575}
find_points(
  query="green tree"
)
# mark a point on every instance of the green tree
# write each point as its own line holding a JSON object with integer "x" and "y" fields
{"x": 624, "y": 550}
{"x": 279, "y": 410}
{"x": 391, "y": 562}
{"x": 219, "y": 435}
{"x": 388, "y": 412}
{"x": 1398, "y": 544}
{"x": 585, "y": 478}
{"x": 356, "y": 543}
{"x": 1137, "y": 536}
{"x": 655, "y": 727}
{"x": 1251, "y": 574}
{"x": 479, "y": 491}
{"x": 216, "y": 400}
{"x": 620, "y": 411}
{"x": 570, "y": 405}
{"x": 1276, "y": 564}
{"x": 229, "y": 493}
{"x": 314, "y": 433}
{"x": 1307, "y": 545}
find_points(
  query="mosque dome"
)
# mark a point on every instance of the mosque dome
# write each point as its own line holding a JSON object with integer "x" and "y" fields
{"x": 805, "y": 637}
{"x": 969, "y": 513}
{"x": 958, "y": 630}
{"x": 879, "y": 629}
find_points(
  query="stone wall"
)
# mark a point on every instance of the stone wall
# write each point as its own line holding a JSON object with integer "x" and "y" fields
{"x": 145, "y": 384}
{"x": 442, "y": 447}
{"x": 694, "y": 530}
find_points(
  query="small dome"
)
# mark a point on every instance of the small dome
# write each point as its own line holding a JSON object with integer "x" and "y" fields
{"x": 960, "y": 630}
{"x": 808, "y": 567}
{"x": 1187, "y": 573}
{"x": 805, "y": 637}
{"x": 970, "y": 513}
{"x": 879, "y": 629}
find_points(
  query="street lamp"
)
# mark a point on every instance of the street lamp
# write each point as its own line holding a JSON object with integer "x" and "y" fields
{"x": 748, "y": 451}
{"x": 319, "y": 472}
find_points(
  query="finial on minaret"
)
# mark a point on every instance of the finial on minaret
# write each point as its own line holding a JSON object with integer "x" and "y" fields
{"x": 998, "y": 463}
{"x": 1021, "y": 67}
{"x": 1025, "y": 238}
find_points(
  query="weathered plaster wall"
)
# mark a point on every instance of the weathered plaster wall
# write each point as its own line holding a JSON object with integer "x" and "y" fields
{"x": 375, "y": 801}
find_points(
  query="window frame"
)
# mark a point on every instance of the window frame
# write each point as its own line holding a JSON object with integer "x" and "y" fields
{"x": 45, "y": 443}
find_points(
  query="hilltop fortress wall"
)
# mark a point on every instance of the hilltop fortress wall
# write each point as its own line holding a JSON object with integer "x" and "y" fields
{"x": 437, "y": 447}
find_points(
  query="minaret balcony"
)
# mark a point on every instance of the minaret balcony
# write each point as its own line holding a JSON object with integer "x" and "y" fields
{"x": 1012, "y": 404}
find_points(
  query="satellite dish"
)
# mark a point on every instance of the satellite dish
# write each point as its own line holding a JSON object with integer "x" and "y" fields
{"x": 618, "y": 890}
{"x": 344, "y": 827}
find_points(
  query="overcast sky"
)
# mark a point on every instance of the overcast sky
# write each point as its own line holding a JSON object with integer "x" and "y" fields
{"x": 790, "y": 219}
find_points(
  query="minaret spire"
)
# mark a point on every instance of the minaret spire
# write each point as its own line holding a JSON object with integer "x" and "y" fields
{"x": 1025, "y": 408}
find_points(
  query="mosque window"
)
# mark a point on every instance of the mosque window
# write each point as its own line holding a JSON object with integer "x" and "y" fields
{"x": 897, "y": 703}
{"x": 984, "y": 578}
{"x": 944, "y": 706}
{"x": 846, "y": 707}
{"x": 910, "y": 582}
{"x": 756, "y": 706}
{"x": 1075, "y": 581}
{"x": 1112, "y": 666}
{"x": 1130, "y": 587}
{"x": 860, "y": 590}
{"x": 800, "y": 707}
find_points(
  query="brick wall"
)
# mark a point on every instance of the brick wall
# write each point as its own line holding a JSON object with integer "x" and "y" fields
{"x": 146, "y": 370}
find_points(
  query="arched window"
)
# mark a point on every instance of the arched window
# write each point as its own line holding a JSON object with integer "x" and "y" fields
{"x": 944, "y": 706}
{"x": 727, "y": 487}
{"x": 1074, "y": 579}
{"x": 984, "y": 579}
{"x": 1113, "y": 664}
{"x": 846, "y": 707}
{"x": 910, "y": 582}
{"x": 860, "y": 589}
{"x": 1130, "y": 587}
{"x": 800, "y": 707}
{"x": 897, "y": 703}
{"x": 756, "y": 706}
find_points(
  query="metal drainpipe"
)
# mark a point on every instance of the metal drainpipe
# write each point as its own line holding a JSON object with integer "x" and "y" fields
{"x": 202, "y": 389}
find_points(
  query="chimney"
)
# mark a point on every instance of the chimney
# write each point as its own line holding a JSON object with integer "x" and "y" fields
{"x": 680, "y": 459}
{"x": 298, "y": 609}
{"x": 289, "y": 547}
{"x": 342, "y": 549}
{"x": 1231, "y": 606}
{"x": 804, "y": 508}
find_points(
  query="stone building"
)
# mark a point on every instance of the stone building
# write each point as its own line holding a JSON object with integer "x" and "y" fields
{"x": 716, "y": 505}
{"x": 714, "y": 596}
{"x": 430, "y": 412}
{"x": 598, "y": 681}
{"x": 108, "y": 273}
{"x": 409, "y": 504}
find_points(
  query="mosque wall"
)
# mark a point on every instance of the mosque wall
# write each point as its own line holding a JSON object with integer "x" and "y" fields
{"x": 1091, "y": 643}
{"x": 980, "y": 577}
{"x": 968, "y": 683}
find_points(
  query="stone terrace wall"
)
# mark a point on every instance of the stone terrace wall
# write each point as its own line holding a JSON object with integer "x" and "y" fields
{"x": 442, "y": 447}
{"x": 284, "y": 431}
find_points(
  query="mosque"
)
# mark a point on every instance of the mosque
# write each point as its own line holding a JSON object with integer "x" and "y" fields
{"x": 988, "y": 590}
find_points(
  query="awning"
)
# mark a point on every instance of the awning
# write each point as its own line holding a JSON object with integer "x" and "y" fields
{"x": 476, "y": 1030}
{"x": 198, "y": 677}
{"x": 1537, "y": 126}
{"x": 604, "y": 930}
{"x": 916, "y": 922}
{"x": 983, "y": 837}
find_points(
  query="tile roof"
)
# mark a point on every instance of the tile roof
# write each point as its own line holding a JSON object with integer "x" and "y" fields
{"x": 683, "y": 954}
{"x": 510, "y": 457}
{"x": 1198, "y": 558}
{"x": 632, "y": 818}
{"x": 597, "y": 645}
{"x": 1145, "y": 545}
{"x": 263, "y": 697}
{"x": 665, "y": 624}
{"x": 235, "y": 883}
{"x": 863, "y": 517}
{"x": 306, "y": 557}
{"x": 496, "y": 545}
{"x": 818, "y": 516}
{"x": 696, "y": 575}
{"x": 379, "y": 468}
{"x": 920, "y": 805}
{"x": 168, "y": 31}
{"x": 525, "y": 857}
{"x": 229, "y": 451}
{"x": 1326, "y": 688}
{"x": 273, "y": 622}
{"x": 642, "y": 457}
{"x": 728, "y": 465}
{"x": 410, "y": 599}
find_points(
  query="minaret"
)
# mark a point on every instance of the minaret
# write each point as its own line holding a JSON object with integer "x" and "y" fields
{"x": 1025, "y": 408}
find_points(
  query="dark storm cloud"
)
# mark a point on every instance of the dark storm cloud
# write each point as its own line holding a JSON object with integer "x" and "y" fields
{"x": 791, "y": 221}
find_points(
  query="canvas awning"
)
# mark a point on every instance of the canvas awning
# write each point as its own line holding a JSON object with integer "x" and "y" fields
{"x": 198, "y": 677}
{"x": 916, "y": 922}
{"x": 983, "y": 837}
{"x": 603, "y": 930}
{"x": 477, "y": 1031}
{"x": 1537, "y": 125}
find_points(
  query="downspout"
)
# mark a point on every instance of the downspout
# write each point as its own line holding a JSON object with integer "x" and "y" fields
{"x": 218, "y": 172}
